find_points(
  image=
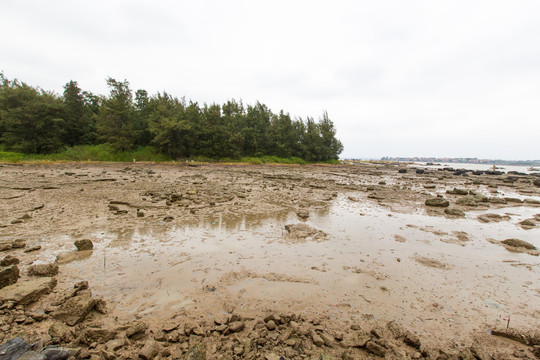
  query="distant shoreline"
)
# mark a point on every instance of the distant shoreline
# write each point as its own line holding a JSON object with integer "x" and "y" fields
{"x": 465, "y": 161}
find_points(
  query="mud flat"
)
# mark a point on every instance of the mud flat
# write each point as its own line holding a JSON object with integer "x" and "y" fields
{"x": 240, "y": 261}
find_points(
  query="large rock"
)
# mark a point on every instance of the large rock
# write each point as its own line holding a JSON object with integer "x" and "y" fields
{"x": 454, "y": 212}
{"x": 60, "y": 332}
{"x": 518, "y": 244}
{"x": 27, "y": 292}
{"x": 437, "y": 202}
{"x": 13, "y": 349}
{"x": 32, "y": 355}
{"x": 43, "y": 270}
{"x": 75, "y": 309}
{"x": 8, "y": 275}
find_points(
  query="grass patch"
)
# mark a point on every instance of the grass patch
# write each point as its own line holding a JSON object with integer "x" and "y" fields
{"x": 105, "y": 153}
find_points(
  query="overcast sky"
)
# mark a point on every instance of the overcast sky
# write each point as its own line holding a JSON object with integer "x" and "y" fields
{"x": 398, "y": 78}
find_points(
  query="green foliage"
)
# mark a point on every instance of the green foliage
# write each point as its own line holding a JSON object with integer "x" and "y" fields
{"x": 34, "y": 121}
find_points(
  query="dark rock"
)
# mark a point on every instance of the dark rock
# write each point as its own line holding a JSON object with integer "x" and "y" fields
{"x": 412, "y": 340}
{"x": 26, "y": 292}
{"x": 528, "y": 223}
{"x": 536, "y": 182}
{"x": 437, "y": 202}
{"x": 197, "y": 352}
{"x": 13, "y": 349}
{"x": 42, "y": 270}
{"x": 8, "y": 275}
{"x": 9, "y": 260}
{"x": 302, "y": 214}
{"x": 32, "y": 355}
{"x": 55, "y": 353}
{"x": 402, "y": 171}
{"x": 457, "y": 191}
{"x": 84, "y": 244}
{"x": 420, "y": 171}
{"x": 519, "y": 244}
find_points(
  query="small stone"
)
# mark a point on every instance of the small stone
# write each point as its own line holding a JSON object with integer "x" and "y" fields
{"x": 271, "y": 325}
{"x": 437, "y": 202}
{"x": 197, "y": 352}
{"x": 136, "y": 330}
{"x": 32, "y": 248}
{"x": 149, "y": 351}
{"x": 84, "y": 244}
{"x": 412, "y": 340}
{"x": 375, "y": 348}
{"x": 317, "y": 340}
{"x": 236, "y": 326}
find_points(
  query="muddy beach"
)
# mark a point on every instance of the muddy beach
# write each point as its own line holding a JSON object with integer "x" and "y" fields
{"x": 364, "y": 261}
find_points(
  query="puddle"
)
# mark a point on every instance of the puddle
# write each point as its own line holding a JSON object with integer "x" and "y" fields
{"x": 369, "y": 264}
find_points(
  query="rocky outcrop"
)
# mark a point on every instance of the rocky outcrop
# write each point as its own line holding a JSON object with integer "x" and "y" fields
{"x": 8, "y": 275}
{"x": 26, "y": 292}
{"x": 43, "y": 270}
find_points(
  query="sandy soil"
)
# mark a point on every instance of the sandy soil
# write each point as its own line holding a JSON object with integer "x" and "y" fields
{"x": 344, "y": 247}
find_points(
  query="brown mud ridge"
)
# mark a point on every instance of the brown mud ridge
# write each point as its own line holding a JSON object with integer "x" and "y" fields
{"x": 147, "y": 261}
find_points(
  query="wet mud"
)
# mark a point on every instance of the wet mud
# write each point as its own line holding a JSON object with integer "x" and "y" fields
{"x": 339, "y": 245}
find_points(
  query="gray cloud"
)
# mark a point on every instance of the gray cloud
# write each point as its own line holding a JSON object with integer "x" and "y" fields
{"x": 453, "y": 78}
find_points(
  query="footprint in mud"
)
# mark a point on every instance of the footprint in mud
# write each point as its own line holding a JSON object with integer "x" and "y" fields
{"x": 431, "y": 262}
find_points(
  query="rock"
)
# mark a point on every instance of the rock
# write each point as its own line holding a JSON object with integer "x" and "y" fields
{"x": 527, "y": 224}
{"x": 42, "y": 270}
{"x": 303, "y": 214}
{"x": 375, "y": 348}
{"x": 56, "y": 353}
{"x": 457, "y": 191}
{"x": 437, "y": 202}
{"x": 514, "y": 200}
{"x": 170, "y": 325}
{"x": 317, "y": 340}
{"x": 271, "y": 325}
{"x": 236, "y": 326}
{"x": 519, "y": 244}
{"x": 454, "y": 212}
{"x": 75, "y": 309}
{"x": 96, "y": 335}
{"x": 69, "y": 256}
{"x": 531, "y": 201}
{"x": 13, "y": 349}
{"x": 18, "y": 244}
{"x": 5, "y": 246}
{"x": 60, "y": 332}
{"x": 32, "y": 355}
{"x": 467, "y": 201}
{"x": 497, "y": 200}
{"x": 328, "y": 340}
{"x": 420, "y": 171}
{"x": 84, "y": 244}
{"x": 412, "y": 340}
{"x": 197, "y": 352}
{"x": 8, "y": 275}
{"x": 32, "y": 248}
{"x": 486, "y": 218}
{"x": 298, "y": 233}
{"x": 149, "y": 350}
{"x": 402, "y": 171}
{"x": 26, "y": 292}
{"x": 536, "y": 182}
{"x": 136, "y": 330}
{"x": 9, "y": 260}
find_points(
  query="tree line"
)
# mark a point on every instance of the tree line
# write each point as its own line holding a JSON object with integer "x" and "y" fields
{"x": 36, "y": 121}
